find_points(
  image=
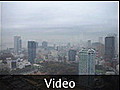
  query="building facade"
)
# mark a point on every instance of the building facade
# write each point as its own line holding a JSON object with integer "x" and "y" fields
{"x": 72, "y": 55}
{"x": 17, "y": 44}
{"x": 109, "y": 48}
{"x": 31, "y": 51}
{"x": 87, "y": 62}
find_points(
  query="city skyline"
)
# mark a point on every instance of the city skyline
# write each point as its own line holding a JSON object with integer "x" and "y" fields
{"x": 58, "y": 22}
{"x": 62, "y": 44}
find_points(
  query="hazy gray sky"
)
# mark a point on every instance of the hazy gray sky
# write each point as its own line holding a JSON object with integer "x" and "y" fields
{"x": 58, "y": 21}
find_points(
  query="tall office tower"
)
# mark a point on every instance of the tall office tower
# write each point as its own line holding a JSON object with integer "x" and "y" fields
{"x": 89, "y": 44}
{"x": 31, "y": 51}
{"x": 109, "y": 48}
{"x": 101, "y": 40}
{"x": 91, "y": 61}
{"x": 116, "y": 41}
{"x": 83, "y": 62}
{"x": 72, "y": 55}
{"x": 87, "y": 62}
{"x": 17, "y": 44}
{"x": 44, "y": 44}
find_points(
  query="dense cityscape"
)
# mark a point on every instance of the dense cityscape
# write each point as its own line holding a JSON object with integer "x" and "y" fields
{"x": 95, "y": 58}
{"x": 58, "y": 44}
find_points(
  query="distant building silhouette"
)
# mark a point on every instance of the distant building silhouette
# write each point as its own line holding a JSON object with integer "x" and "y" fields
{"x": 31, "y": 51}
{"x": 17, "y": 44}
{"x": 72, "y": 55}
{"x": 109, "y": 48}
{"x": 101, "y": 40}
{"x": 99, "y": 47}
{"x": 44, "y": 44}
{"x": 89, "y": 44}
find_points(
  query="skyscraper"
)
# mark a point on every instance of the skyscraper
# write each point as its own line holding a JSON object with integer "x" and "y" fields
{"x": 87, "y": 62}
{"x": 17, "y": 44}
{"x": 109, "y": 48}
{"x": 91, "y": 61}
{"x": 44, "y": 44}
{"x": 72, "y": 55}
{"x": 83, "y": 65}
{"x": 31, "y": 51}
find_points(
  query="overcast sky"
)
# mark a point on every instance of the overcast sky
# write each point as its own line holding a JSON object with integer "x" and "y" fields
{"x": 58, "y": 21}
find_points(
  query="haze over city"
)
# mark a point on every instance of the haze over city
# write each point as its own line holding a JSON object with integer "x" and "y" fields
{"x": 57, "y": 22}
{"x": 59, "y": 44}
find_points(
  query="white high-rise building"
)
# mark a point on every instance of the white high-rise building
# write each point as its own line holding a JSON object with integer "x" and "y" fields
{"x": 17, "y": 44}
{"x": 83, "y": 65}
{"x": 87, "y": 62}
